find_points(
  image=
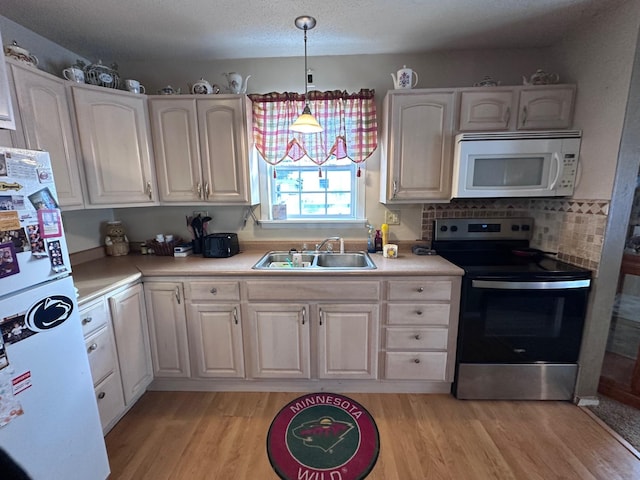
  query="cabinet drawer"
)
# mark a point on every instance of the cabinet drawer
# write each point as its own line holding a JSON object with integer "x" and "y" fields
{"x": 102, "y": 358}
{"x": 213, "y": 290}
{"x": 109, "y": 398}
{"x": 93, "y": 316}
{"x": 313, "y": 290}
{"x": 415, "y": 365}
{"x": 420, "y": 314}
{"x": 417, "y": 338}
{"x": 419, "y": 290}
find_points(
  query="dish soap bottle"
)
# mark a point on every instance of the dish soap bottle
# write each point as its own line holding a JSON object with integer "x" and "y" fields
{"x": 378, "y": 241}
{"x": 371, "y": 242}
{"x": 385, "y": 234}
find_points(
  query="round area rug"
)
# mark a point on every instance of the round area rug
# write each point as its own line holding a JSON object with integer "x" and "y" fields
{"x": 323, "y": 436}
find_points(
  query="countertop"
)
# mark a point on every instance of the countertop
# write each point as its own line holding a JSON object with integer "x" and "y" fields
{"x": 97, "y": 277}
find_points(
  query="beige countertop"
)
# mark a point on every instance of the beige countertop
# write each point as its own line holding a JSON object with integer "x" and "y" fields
{"x": 97, "y": 277}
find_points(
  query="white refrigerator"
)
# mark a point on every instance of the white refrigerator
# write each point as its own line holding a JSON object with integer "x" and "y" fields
{"x": 49, "y": 422}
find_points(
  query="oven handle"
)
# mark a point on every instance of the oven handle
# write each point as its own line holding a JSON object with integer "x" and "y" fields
{"x": 502, "y": 285}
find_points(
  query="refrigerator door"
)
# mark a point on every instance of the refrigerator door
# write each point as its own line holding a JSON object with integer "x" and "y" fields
{"x": 47, "y": 398}
{"x": 32, "y": 243}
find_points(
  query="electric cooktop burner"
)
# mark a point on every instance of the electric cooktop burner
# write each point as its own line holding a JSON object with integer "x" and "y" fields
{"x": 498, "y": 247}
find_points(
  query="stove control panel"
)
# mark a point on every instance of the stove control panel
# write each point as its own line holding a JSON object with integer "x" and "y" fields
{"x": 483, "y": 228}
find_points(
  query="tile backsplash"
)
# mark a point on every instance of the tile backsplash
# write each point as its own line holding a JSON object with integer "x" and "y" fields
{"x": 573, "y": 228}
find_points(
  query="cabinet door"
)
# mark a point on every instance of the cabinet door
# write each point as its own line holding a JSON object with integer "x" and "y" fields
{"x": 348, "y": 341}
{"x": 46, "y": 124}
{"x": 6, "y": 108}
{"x": 490, "y": 109}
{"x": 113, "y": 132}
{"x": 420, "y": 139}
{"x": 132, "y": 341}
{"x": 215, "y": 336}
{"x": 222, "y": 126}
{"x": 546, "y": 107}
{"x": 167, "y": 329}
{"x": 174, "y": 125}
{"x": 279, "y": 340}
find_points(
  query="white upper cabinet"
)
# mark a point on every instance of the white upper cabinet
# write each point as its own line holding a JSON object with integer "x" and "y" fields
{"x": 115, "y": 143}
{"x": 45, "y": 123}
{"x": 489, "y": 108}
{"x": 202, "y": 150}
{"x": 546, "y": 107}
{"x": 416, "y": 162}
{"x": 7, "y": 119}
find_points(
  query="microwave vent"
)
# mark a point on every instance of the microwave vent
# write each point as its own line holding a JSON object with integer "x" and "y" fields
{"x": 524, "y": 135}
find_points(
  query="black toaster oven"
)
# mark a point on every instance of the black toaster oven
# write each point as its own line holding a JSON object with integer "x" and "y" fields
{"x": 220, "y": 245}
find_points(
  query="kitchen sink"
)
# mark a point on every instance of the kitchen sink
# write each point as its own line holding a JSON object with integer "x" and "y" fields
{"x": 316, "y": 261}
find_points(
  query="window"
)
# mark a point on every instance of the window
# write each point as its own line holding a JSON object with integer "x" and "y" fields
{"x": 314, "y": 177}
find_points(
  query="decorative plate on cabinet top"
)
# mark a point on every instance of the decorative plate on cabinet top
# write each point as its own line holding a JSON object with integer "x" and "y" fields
{"x": 16, "y": 52}
{"x": 101, "y": 75}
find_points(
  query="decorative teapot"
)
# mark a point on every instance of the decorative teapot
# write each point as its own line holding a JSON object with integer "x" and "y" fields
{"x": 101, "y": 75}
{"x": 168, "y": 90}
{"x": 405, "y": 78}
{"x": 541, "y": 78}
{"x": 17, "y": 52}
{"x": 201, "y": 87}
{"x": 235, "y": 82}
{"x": 487, "y": 81}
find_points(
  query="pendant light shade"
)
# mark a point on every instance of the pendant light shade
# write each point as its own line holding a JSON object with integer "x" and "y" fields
{"x": 306, "y": 122}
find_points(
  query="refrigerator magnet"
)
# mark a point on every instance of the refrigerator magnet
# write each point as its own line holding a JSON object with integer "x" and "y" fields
{"x": 36, "y": 242}
{"x": 4, "y": 361}
{"x": 43, "y": 199}
{"x": 17, "y": 237}
{"x": 55, "y": 256}
{"x": 8, "y": 260}
{"x": 49, "y": 223}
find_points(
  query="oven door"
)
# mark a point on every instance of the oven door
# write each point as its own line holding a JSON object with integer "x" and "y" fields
{"x": 510, "y": 321}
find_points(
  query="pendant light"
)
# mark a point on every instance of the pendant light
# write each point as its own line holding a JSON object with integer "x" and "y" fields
{"x": 306, "y": 122}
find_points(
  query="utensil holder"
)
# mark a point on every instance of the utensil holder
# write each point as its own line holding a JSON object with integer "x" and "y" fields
{"x": 196, "y": 246}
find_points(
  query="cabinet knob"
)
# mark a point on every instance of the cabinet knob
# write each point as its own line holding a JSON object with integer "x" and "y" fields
{"x": 92, "y": 347}
{"x": 101, "y": 395}
{"x": 418, "y": 312}
{"x": 416, "y": 360}
{"x": 420, "y": 289}
{"x": 417, "y": 336}
{"x": 214, "y": 291}
{"x": 87, "y": 320}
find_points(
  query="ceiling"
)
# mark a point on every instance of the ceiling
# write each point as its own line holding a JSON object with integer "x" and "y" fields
{"x": 119, "y": 30}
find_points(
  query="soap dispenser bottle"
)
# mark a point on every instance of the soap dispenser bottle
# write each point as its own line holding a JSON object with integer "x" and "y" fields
{"x": 371, "y": 242}
{"x": 378, "y": 241}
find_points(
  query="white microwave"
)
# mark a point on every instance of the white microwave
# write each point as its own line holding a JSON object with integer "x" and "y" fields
{"x": 516, "y": 164}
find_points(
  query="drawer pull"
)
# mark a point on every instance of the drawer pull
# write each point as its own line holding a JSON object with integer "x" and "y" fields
{"x": 417, "y": 360}
{"x": 418, "y": 312}
{"x": 417, "y": 336}
{"x": 235, "y": 315}
{"x": 214, "y": 291}
{"x": 92, "y": 347}
{"x": 101, "y": 395}
{"x": 420, "y": 289}
{"x": 304, "y": 314}
{"x": 87, "y": 320}
{"x": 178, "y": 295}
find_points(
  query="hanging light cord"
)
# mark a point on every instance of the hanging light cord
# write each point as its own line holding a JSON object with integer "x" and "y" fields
{"x": 306, "y": 99}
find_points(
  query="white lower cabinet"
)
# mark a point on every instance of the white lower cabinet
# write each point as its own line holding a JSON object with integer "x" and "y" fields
{"x": 421, "y": 328}
{"x": 167, "y": 329}
{"x": 101, "y": 351}
{"x": 129, "y": 319}
{"x": 278, "y": 340}
{"x": 215, "y": 338}
{"x": 117, "y": 342}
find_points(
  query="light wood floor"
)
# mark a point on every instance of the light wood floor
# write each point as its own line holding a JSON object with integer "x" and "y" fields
{"x": 195, "y": 435}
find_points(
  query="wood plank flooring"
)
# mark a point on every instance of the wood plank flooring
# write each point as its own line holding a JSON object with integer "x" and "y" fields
{"x": 222, "y": 436}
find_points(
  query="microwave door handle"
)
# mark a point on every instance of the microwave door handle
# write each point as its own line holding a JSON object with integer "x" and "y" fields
{"x": 556, "y": 158}
{"x": 535, "y": 285}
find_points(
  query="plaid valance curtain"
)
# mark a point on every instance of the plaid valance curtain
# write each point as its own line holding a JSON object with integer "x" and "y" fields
{"x": 349, "y": 122}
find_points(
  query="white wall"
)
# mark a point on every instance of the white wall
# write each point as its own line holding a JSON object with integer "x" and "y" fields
{"x": 600, "y": 55}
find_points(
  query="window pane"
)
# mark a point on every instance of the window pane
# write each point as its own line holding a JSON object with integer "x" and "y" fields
{"x": 339, "y": 204}
{"x": 313, "y": 204}
{"x": 293, "y": 203}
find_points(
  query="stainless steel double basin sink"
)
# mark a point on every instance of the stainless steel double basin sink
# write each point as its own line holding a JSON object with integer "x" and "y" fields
{"x": 315, "y": 261}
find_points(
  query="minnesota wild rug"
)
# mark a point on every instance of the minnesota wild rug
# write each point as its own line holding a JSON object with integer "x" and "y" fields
{"x": 323, "y": 436}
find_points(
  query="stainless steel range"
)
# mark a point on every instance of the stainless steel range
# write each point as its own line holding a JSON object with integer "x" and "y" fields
{"x": 521, "y": 315}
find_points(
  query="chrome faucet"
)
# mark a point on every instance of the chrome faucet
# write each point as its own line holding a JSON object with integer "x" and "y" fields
{"x": 321, "y": 244}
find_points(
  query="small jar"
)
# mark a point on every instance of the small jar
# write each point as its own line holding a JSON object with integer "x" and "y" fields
{"x": 144, "y": 250}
